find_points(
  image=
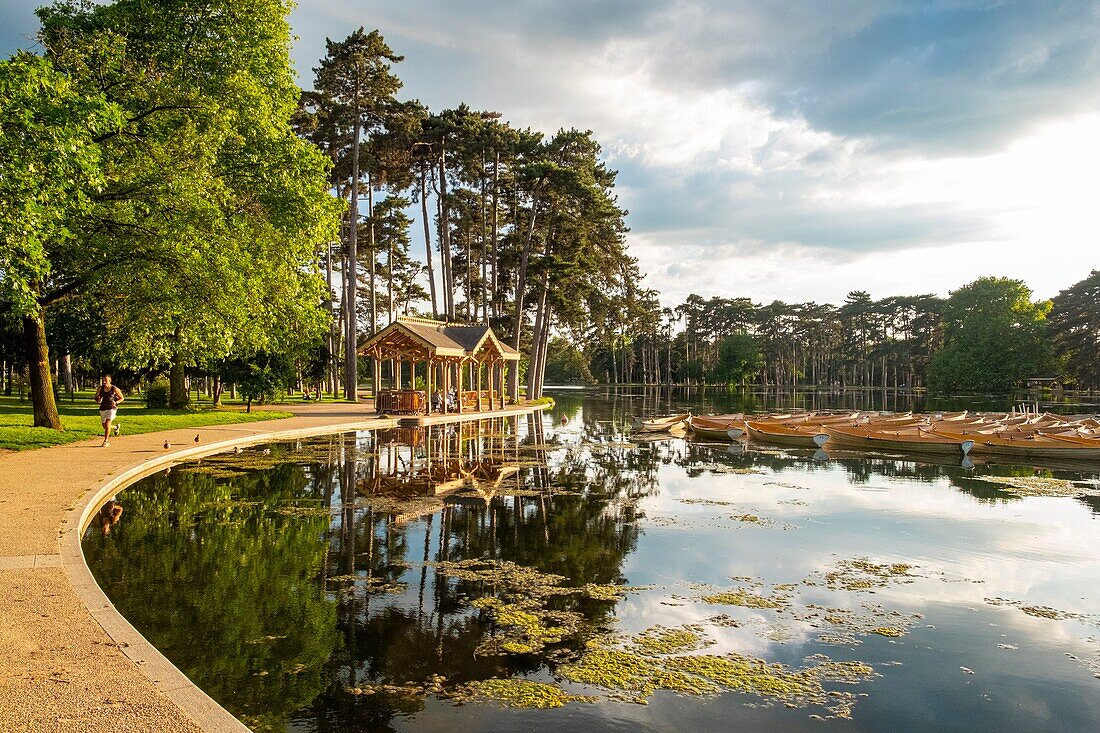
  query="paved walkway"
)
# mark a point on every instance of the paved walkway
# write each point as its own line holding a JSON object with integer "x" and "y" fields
{"x": 68, "y": 662}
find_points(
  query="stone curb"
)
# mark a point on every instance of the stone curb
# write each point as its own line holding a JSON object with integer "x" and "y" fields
{"x": 165, "y": 676}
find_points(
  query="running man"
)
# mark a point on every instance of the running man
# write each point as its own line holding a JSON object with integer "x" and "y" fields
{"x": 109, "y": 398}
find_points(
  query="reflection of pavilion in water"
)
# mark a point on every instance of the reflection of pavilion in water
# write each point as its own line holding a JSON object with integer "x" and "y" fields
{"x": 412, "y": 498}
{"x": 415, "y": 471}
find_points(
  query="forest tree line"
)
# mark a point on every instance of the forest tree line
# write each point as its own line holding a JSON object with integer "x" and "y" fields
{"x": 987, "y": 336}
{"x": 173, "y": 205}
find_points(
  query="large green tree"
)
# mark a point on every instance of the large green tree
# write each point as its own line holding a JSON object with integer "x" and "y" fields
{"x": 50, "y": 168}
{"x": 994, "y": 337}
{"x": 354, "y": 98}
{"x": 1075, "y": 330}
{"x": 202, "y": 242}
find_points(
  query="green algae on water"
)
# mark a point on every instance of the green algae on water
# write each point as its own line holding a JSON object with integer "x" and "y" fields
{"x": 862, "y": 574}
{"x": 639, "y": 671}
{"x": 1040, "y": 486}
{"x": 661, "y": 641}
{"x": 526, "y": 628}
{"x": 521, "y": 693}
{"x": 746, "y": 599}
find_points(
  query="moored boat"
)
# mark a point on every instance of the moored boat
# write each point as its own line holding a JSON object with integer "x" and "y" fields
{"x": 718, "y": 427}
{"x": 662, "y": 424}
{"x": 1034, "y": 445}
{"x": 905, "y": 440}
{"x": 796, "y": 434}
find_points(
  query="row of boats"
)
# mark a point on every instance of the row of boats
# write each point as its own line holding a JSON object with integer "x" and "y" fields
{"x": 1024, "y": 435}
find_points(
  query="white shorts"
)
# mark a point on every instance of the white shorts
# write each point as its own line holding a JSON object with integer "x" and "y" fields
{"x": 105, "y": 415}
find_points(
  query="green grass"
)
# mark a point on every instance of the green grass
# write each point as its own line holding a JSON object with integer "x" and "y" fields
{"x": 81, "y": 420}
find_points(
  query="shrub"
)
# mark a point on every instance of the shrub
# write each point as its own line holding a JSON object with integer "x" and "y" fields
{"x": 156, "y": 395}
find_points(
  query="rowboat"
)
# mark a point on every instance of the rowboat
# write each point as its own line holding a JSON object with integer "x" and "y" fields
{"x": 802, "y": 436}
{"x": 662, "y": 424}
{"x": 907, "y": 440}
{"x": 1035, "y": 445}
{"x": 718, "y": 427}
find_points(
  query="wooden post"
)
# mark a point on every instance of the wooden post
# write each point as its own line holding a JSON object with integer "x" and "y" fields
{"x": 503, "y": 389}
{"x": 478, "y": 388}
{"x": 428, "y": 385}
{"x": 376, "y": 382}
{"x": 458, "y": 387}
{"x": 446, "y": 369}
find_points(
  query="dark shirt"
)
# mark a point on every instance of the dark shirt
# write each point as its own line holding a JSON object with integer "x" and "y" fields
{"x": 108, "y": 399}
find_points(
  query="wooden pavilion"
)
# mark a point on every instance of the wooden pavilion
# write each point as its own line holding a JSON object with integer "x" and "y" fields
{"x": 462, "y": 367}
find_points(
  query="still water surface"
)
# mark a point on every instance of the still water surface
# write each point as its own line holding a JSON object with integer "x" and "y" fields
{"x": 335, "y": 584}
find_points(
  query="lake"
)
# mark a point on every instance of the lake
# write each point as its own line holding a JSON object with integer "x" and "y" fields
{"x": 557, "y": 572}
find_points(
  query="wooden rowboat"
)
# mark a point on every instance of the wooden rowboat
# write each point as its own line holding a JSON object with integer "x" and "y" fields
{"x": 802, "y": 436}
{"x": 1033, "y": 446}
{"x": 662, "y": 424}
{"x": 717, "y": 427}
{"x": 908, "y": 440}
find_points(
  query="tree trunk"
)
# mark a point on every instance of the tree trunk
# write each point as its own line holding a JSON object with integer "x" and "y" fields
{"x": 484, "y": 246}
{"x": 373, "y": 258}
{"x": 331, "y": 339}
{"x": 521, "y": 284}
{"x": 536, "y": 338}
{"x": 445, "y": 236}
{"x": 178, "y": 396}
{"x": 38, "y": 364}
{"x": 218, "y": 389}
{"x": 351, "y": 367}
{"x": 493, "y": 263}
{"x": 544, "y": 344}
{"x": 428, "y": 240}
{"x": 65, "y": 371}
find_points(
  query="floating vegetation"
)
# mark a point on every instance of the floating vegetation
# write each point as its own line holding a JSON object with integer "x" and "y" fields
{"x": 845, "y": 626}
{"x": 662, "y": 641}
{"x": 304, "y": 511}
{"x": 526, "y": 627}
{"x": 1047, "y": 612}
{"x": 723, "y": 621}
{"x": 513, "y": 579}
{"x": 640, "y": 674}
{"x": 888, "y": 631}
{"x": 518, "y": 610}
{"x": 617, "y": 669}
{"x": 782, "y": 485}
{"x": 748, "y": 518}
{"x": 519, "y": 693}
{"x": 706, "y": 502}
{"x": 1042, "y": 612}
{"x": 1041, "y": 486}
{"x": 744, "y": 598}
{"x": 862, "y": 574}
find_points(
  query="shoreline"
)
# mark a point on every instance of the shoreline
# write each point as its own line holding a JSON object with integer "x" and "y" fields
{"x": 69, "y": 661}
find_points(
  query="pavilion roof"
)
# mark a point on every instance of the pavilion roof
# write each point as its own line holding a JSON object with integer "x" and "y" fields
{"x": 437, "y": 339}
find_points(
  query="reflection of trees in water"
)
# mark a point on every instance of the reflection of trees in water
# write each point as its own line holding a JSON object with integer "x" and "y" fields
{"x": 225, "y": 586}
{"x": 404, "y": 624}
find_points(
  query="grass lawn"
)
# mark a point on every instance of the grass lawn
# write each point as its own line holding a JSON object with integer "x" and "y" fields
{"x": 81, "y": 420}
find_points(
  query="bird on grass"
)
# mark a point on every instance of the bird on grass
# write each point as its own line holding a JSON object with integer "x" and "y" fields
{"x": 236, "y": 449}
{"x": 267, "y": 451}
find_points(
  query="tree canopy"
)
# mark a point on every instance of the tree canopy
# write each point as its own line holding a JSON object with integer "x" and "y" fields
{"x": 994, "y": 337}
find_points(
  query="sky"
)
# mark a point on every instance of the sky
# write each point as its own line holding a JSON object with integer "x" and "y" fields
{"x": 787, "y": 149}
